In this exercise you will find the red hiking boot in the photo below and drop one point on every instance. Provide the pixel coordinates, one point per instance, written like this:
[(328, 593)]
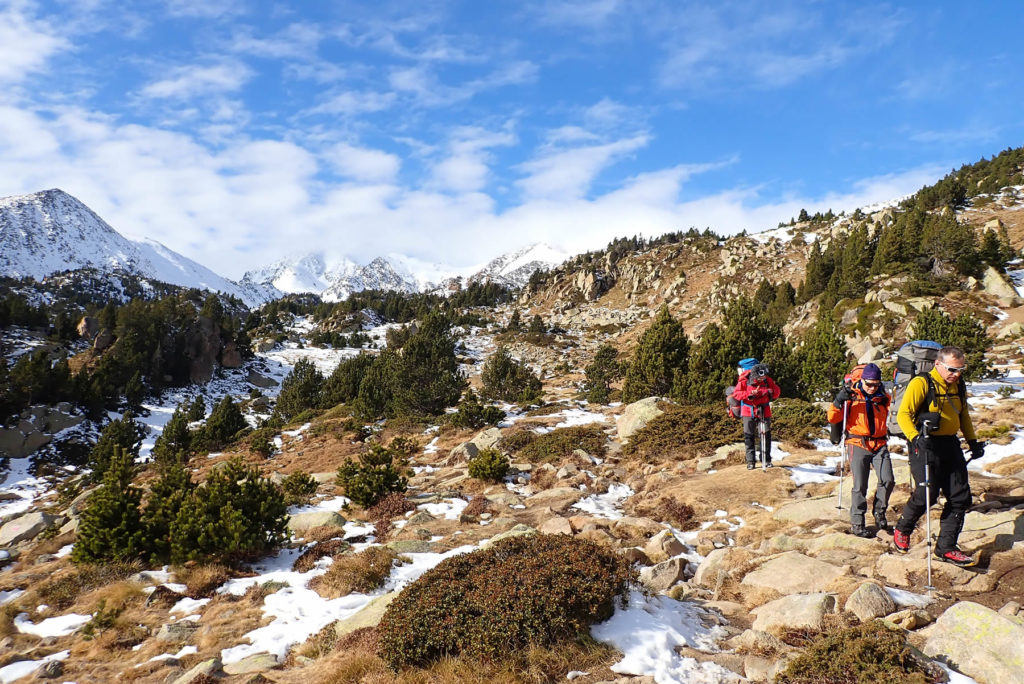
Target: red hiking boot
[(901, 541), (957, 557)]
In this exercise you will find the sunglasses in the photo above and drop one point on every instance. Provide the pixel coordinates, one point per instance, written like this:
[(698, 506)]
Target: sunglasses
[(953, 369)]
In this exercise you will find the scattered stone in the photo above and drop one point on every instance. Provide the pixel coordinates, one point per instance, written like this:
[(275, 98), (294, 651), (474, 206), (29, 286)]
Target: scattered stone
[(411, 546), (207, 668), (558, 498), (566, 471), (910, 619), (979, 642), (663, 546), (792, 572), (51, 669), (870, 601), (369, 616), (662, 576), (794, 612), (486, 439), (27, 527), (421, 518), (504, 499), (178, 632), (635, 555), (556, 526), (517, 531), (710, 565), (259, 662), (463, 453)]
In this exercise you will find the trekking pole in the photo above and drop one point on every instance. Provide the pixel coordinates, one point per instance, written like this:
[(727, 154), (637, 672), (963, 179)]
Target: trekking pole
[(842, 454), (925, 428), (762, 433)]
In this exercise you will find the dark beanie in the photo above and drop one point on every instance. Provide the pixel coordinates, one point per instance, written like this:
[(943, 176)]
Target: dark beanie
[(871, 372)]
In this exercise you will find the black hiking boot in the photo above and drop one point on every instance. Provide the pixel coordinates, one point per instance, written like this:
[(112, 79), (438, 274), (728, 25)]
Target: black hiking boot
[(881, 523), (860, 531), (751, 466)]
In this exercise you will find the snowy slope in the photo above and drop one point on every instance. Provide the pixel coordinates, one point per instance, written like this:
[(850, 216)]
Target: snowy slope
[(51, 231)]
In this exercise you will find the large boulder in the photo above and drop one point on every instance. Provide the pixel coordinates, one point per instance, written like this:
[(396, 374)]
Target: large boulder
[(301, 522), (710, 566), (979, 642), (636, 416), (486, 439), (556, 499), (258, 662), (663, 576), (663, 546), (203, 672), (998, 530), (792, 572), (798, 611), (517, 531), (27, 527), (995, 284)]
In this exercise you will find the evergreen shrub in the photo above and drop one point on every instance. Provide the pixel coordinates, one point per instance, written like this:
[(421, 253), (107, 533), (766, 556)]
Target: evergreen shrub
[(376, 474), (797, 421), (490, 465), (520, 592), (298, 487), (561, 443), (473, 414), (699, 428), (505, 378)]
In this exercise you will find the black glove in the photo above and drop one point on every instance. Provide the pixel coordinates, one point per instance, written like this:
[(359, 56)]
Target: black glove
[(977, 449), (842, 396)]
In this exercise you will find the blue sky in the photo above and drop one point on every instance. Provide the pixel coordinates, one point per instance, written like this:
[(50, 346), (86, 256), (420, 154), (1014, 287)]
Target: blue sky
[(236, 132)]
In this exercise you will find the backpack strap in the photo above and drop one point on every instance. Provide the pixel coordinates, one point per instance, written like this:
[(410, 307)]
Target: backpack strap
[(929, 398)]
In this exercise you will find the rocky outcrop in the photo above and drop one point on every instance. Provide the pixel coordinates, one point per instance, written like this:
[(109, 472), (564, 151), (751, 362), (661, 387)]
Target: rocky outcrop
[(35, 428), (27, 527), (979, 642), (797, 611), (637, 415)]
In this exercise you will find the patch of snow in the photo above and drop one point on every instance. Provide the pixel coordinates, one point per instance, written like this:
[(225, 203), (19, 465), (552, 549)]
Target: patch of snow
[(23, 668), (188, 605), (450, 509), (20, 482), (9, 596), (51, 627), (65, 551), (954, 676), (607, 505), (908, 599), (186, 650), (809, 473), (649, 630), (577, 416)]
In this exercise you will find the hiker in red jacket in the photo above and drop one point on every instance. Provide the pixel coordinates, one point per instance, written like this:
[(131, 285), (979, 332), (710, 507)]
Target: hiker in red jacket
[(755, 390)]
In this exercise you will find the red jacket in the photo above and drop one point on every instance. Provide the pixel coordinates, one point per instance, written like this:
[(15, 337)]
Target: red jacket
[(753, 393)]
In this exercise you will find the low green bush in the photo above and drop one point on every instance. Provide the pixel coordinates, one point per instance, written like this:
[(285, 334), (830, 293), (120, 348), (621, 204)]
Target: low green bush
[(864, 654), (798, 422), (520, 592), (561, 443), (490, 465), (298, 487), (472, 413), (696, 427), (376, 474)]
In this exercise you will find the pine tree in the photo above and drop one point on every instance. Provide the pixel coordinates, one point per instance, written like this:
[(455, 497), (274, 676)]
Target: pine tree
[(428, 378), (124, 434), (111, 527), (224, 423), (196, 409), (301, 389), (342, 385), (377, 473), (822, 359), (507, 379), (236, 515), (661, 355), (167, 496), (537, 325), (965, 332), (375, 389), (514, 322), (601, 372), (175, 442)]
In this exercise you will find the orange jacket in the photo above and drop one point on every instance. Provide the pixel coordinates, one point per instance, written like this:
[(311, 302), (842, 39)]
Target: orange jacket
[(865, 420)]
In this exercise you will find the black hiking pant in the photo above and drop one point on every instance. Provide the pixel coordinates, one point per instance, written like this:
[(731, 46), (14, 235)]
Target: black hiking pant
[(861, 463), (949, 476), (751, 438)]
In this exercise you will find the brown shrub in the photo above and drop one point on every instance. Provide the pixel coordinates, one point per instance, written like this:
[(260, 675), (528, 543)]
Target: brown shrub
[(678, 513), (477, 505), (202, 580), (63, 590), (362, 572), (391, 506)]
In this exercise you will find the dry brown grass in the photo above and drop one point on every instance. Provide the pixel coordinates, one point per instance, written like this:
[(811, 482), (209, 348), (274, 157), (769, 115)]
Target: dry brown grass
[(202, 580), (65, 588), (362, 572), (322, 533), (543, 479)]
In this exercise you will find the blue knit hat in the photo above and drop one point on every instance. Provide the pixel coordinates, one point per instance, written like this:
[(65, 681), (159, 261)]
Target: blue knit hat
[(871, 372)]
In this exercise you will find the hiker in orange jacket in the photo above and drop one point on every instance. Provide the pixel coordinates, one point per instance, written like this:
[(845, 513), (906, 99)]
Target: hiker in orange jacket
[(866, 407), (755, 390)]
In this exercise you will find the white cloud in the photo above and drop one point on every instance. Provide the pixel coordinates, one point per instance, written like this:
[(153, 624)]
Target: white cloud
[(363, 164), (352, 103), (26, 43), (568, 173), (466, 167), (423, 85), (586, 13), (188, 81), (297, 41), (204, 9)]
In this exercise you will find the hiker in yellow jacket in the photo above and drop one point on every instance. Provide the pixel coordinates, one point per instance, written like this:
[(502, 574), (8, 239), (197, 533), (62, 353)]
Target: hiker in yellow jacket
[(943, 393)]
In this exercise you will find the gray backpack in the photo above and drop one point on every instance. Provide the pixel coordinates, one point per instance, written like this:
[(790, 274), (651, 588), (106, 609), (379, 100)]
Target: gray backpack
[(913, 359)]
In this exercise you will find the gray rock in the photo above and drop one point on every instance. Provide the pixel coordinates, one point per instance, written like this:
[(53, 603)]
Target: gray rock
[(486, 439), (870, 601), (254, 378), (663, 576), (636, 416), (517, 531), (207, 668), (463, 453), (178, 632), (259, 662), (557, 498), (411, 546), (51, 669), (710, 565), (27, 527), (979, 642), (794, 612), (421, 518), (302, 522), (792, 572), (556, 526), (369, 616), (663, 546)]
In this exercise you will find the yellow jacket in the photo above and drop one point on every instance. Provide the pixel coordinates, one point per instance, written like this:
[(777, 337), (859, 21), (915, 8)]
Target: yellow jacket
[(954, 417)]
